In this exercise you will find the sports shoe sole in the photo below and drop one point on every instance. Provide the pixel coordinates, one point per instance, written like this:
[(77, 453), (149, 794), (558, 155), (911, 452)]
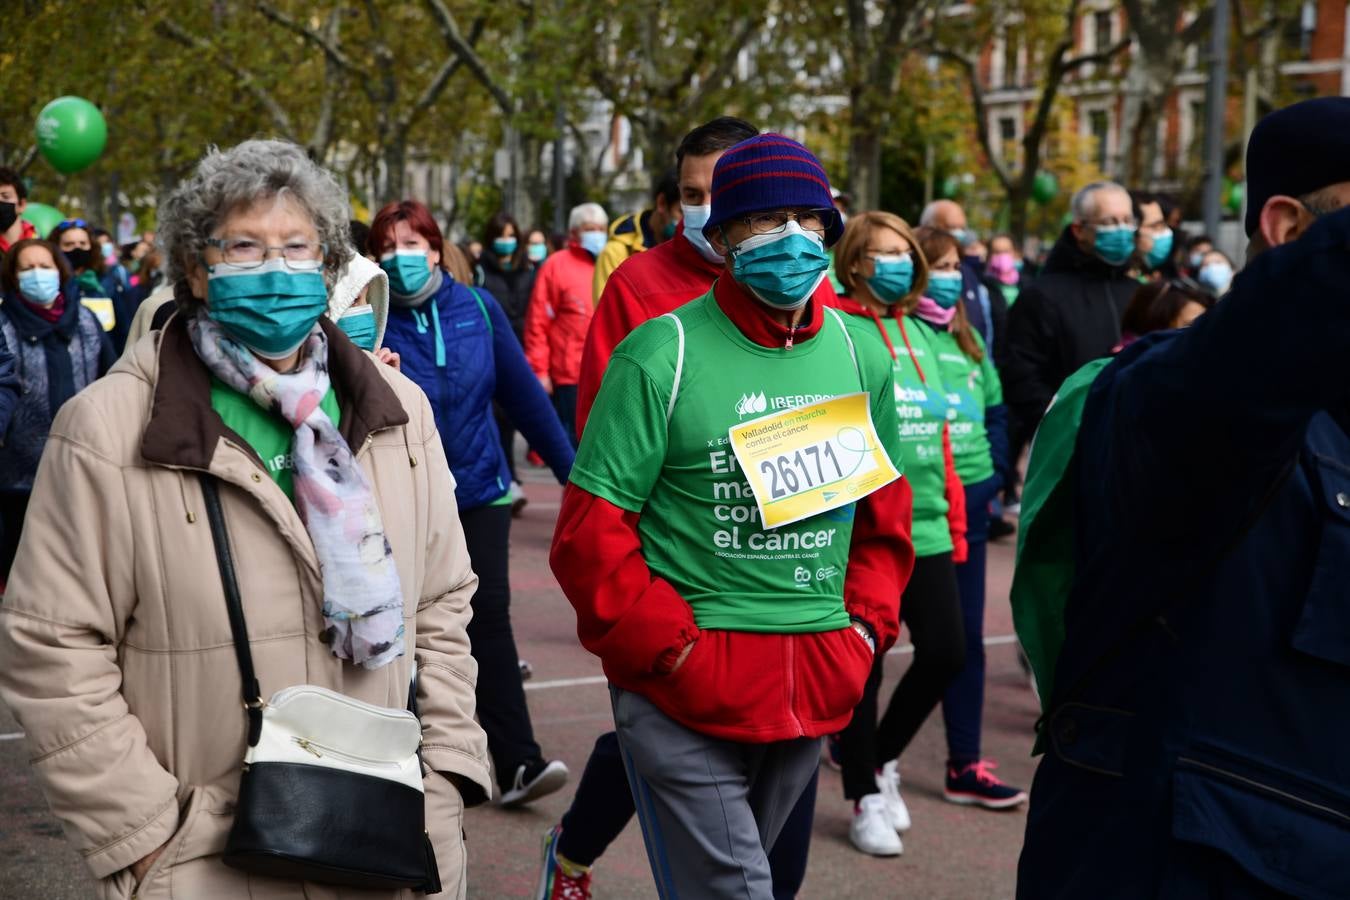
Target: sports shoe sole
[(883, 854), (962, 799), (551, 779)]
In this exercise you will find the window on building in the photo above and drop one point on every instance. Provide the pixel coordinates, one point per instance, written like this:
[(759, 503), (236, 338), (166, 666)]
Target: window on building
[(1099, 126), (1101, 27), (1010, 58), (1007, 137)]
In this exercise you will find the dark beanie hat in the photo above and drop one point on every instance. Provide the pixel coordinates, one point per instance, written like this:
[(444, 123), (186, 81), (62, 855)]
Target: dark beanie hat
[(1297, 150), (765, 172)]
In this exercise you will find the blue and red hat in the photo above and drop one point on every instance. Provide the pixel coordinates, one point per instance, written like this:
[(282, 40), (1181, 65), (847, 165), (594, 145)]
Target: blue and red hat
[(765, 172)]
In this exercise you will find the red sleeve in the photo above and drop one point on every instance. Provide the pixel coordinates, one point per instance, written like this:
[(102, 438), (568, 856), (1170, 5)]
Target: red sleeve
[(635, 622), (956, 501), (880, 559), (613, 321), (537, 318)]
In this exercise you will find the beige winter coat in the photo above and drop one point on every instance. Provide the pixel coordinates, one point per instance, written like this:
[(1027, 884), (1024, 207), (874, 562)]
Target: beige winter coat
[(115, 648)]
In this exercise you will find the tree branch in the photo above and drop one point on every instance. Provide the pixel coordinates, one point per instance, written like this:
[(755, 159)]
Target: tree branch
[(1088, 59), (322, 135), (722, 70), (970, 68), (281, 120), (454, 41), (323, 42)]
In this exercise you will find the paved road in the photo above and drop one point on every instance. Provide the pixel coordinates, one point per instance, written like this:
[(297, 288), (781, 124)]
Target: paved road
[(952, 852)]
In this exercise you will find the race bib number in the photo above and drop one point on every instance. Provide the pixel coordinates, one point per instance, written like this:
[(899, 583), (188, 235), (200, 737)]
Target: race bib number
[(805, 461), (102, 308)]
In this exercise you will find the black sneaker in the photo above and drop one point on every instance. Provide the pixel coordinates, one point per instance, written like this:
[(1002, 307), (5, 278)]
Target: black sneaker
[(535, 779), (1000, 528), (975, 784)]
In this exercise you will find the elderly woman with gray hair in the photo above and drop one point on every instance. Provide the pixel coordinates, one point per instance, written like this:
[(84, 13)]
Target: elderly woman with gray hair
[(247, 469)]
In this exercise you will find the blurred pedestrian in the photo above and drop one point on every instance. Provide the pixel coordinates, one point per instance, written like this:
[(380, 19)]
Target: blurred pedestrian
[(59, 348), (560, 311), (454, 341), (632, 233), (536, 246), (1154, 240), (13, 203), (1216, 272), (1003, 273), (100, 290), (987, 311), (1161, 305)]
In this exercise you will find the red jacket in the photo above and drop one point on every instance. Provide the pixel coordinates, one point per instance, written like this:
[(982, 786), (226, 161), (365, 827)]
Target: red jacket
[(26, 231), (733, 685), (559, 314), (650, 284)]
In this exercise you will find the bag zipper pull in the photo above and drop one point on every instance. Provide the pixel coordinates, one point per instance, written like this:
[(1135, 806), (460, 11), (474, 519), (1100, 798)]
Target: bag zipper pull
[(307, 746)]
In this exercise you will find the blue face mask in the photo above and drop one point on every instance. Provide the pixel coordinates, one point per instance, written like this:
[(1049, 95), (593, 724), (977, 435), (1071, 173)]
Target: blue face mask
[(1161, 251), (270, 309), (892, 277), (537, 252), (40, 286), (944, 288), (1114, 244), (1216, 276), (964, 236), (783, 270), (695, 217), (593, 241), (407, 269), (359, 325), (504, 246)]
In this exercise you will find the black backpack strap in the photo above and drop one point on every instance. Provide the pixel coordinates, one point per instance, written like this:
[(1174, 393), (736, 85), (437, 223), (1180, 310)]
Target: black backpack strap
[(162, 315), (252, 692)]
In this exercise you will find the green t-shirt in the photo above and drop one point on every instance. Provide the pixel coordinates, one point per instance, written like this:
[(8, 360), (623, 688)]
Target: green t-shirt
[(921, 408), (656, 444), (972, 388), (267, 433)]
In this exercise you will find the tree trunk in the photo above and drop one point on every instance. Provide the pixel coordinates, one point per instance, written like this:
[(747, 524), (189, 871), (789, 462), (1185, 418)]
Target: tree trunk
[(864, 152), (394, 154)]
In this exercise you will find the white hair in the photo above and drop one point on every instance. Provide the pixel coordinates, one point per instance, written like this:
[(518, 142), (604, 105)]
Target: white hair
[(929, 214), (1084, 206), (587, 214)]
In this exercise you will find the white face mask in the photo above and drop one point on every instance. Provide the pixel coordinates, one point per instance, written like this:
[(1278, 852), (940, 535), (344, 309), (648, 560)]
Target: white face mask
[(695, 217)]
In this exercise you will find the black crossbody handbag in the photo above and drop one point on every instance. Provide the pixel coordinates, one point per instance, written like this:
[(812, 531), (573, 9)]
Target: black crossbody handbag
[(331, 790)]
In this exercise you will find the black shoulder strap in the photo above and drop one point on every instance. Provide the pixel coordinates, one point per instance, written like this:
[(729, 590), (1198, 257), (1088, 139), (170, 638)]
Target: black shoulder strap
[(161, 316), (220, 537)]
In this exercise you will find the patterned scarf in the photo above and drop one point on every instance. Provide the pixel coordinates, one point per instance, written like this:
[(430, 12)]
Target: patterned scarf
[(362, 598)]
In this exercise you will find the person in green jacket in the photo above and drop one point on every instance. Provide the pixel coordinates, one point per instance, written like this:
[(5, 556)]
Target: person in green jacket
[(884, 276), (979, 434)]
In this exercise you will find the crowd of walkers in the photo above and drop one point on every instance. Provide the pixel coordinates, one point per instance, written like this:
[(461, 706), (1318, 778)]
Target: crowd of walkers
[(784, 433)]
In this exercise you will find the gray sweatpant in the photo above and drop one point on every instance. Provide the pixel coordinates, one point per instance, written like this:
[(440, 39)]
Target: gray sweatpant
[(710, 809)]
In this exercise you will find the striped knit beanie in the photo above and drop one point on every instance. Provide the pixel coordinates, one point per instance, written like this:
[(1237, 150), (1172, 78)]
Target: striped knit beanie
[(769, 172)]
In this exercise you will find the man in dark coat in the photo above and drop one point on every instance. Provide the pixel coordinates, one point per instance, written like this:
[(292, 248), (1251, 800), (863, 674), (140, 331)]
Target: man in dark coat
[(1071, 313), (1197, 742)]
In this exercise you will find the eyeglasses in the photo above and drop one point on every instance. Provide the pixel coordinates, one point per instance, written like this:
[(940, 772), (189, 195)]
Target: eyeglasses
[(819, 220), (245, 253)]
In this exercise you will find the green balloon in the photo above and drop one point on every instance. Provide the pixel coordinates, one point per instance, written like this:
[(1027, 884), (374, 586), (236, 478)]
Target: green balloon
[(1236, 193), (1044, 188), (950, 187), (71, 134), (43, 217)]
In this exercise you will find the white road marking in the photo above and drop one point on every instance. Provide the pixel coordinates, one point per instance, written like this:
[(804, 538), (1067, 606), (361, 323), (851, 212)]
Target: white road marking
[(996, 640)]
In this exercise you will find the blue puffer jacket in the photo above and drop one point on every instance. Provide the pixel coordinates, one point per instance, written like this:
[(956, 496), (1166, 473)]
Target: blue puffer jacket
[(459, 348), (1197, 743)]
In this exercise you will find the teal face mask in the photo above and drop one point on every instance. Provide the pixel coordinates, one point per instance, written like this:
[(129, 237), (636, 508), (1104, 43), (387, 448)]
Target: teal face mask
[(944, 288), (270, 309), (783, 270), (537, 252), (892, 277), (1162, 250), (407, 269), (669, 231), (359, 325), (504, 246), (1114, 244)]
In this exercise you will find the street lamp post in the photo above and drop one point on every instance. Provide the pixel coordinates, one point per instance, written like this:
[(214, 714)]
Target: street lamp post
[(1216, 97)]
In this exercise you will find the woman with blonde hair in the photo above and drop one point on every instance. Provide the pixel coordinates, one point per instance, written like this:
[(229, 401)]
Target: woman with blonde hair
[(884, 276)]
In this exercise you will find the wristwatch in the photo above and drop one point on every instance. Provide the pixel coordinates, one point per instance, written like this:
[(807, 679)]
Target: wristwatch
[(865, 635)]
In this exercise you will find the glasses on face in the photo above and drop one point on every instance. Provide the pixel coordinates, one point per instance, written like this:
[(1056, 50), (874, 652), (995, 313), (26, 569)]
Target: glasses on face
[(818, 220), (246, 253), (1114, 223), (73, 223)]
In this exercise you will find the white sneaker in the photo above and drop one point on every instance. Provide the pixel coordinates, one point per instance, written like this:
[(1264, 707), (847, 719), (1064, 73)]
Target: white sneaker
[(888, 782), (871, 831)]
